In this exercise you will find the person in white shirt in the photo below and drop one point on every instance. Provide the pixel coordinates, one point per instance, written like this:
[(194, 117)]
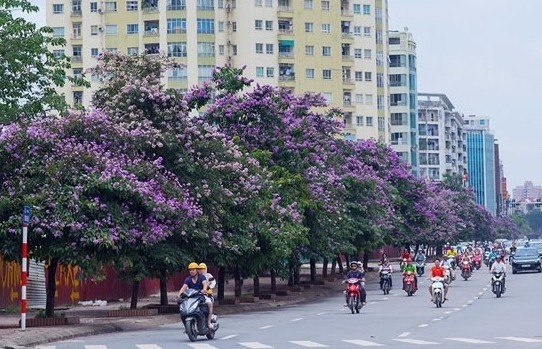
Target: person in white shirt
[(499, 267)]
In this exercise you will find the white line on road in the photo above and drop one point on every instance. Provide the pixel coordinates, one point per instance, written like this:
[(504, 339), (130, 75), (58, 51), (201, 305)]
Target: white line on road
[(521, 339), (471, 301), (480, 293), (372, 302), (447, 312), (148, 346), (324, 313), (309, 344), (363, 343), (264, 327), (470, 340), (95, 346), (437, 319), (299, 318), (465, 305), (456, 309), (45, 347), (255, 345), (423, 325), (229, 336), (414, 341), (201, 346), (404, 334)]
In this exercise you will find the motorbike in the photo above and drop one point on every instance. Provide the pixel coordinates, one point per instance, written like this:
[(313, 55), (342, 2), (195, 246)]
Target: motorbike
[(353, 294), (409, 283), (497, 284), (420, 268), (448, 275), (194, 311), (385, 277), (437, 290), (477, 261), (486, 258), (453, 263), (466, 272)]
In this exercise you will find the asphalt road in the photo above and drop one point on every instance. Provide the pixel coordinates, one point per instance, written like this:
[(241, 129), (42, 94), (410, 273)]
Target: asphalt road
[(473, 317)]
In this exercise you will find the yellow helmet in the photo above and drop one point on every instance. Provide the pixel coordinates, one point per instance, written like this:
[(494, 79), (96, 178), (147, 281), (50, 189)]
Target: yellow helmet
[(193, 265), (202, 266)]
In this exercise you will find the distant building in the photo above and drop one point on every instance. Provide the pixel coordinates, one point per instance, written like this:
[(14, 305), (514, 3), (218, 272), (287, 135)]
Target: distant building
[(527, 191), (403, 97), (441, 138)]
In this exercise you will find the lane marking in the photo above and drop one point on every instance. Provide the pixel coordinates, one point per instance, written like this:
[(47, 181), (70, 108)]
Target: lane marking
[(470, 340), (321, 313), (456, 309), (404, 334), (229, 337), (521, 339), (437, 319), (299, 318), (363, 343), (201, 346), (423, 325), (95, 346), (264, 327), (447, 312), (255, 345), (309, 344), (414, 341), (148, 346)]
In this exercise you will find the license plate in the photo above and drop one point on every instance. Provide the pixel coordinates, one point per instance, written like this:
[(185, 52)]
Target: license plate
[(525, 265)]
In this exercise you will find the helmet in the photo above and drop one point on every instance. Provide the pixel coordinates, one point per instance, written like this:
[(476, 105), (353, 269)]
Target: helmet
[(498, 257), (409, 260), (202, 266), (193, 265), (353, 263)]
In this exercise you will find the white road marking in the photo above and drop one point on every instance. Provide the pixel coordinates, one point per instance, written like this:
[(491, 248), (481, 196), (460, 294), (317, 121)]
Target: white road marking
[(255, 345), (201, 346), (363, 343), (470, 340), (456, 309), (264, 327), (148, 346), (481, 293), (414, 341), (229, 336), (95, 346), (471, 301), (299, 318), (404, 334), (521, 339), (447, 312), (437, 319), (321, 313), (309, 344), (423, 325), (45, 347), (465, 305)]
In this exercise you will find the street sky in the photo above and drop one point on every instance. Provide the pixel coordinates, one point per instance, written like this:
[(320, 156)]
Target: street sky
[(486, 56)]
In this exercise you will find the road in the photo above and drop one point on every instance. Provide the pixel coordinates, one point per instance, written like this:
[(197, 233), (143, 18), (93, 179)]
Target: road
[(472, 317)]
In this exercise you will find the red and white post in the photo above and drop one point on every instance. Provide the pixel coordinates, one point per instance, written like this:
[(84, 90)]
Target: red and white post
[(24, 265)]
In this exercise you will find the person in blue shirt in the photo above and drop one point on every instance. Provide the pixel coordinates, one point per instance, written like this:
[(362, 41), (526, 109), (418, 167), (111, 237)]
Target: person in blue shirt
[(198, 282), (357, 272)]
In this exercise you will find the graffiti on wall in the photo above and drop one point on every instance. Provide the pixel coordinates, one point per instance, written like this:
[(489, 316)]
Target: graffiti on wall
[(10, 282)]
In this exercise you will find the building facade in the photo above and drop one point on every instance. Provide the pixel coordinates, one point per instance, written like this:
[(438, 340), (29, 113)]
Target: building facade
[(481, 161), (441, 138), (336, 48), (403, 97), (527, 191)]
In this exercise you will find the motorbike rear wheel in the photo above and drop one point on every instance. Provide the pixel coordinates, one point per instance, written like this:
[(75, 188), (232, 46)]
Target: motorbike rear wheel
[(191, 331), (352, 303), (386, 287)]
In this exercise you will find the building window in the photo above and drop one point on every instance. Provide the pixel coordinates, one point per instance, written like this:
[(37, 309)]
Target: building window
[(132, 51), (309, 27), (326, 28), (270, 72), (131, 5), (366, 31), (206, 49), (78, 97), (234, 50), (269, 49), (94, 52), (308, 4), (58, 32), (259, 47), (93, 30), (76, 30), (58, 8), (110, 6), (233, 26), (309, 50), (358, 75), (268, 3), (369, 99), (359, 120), (76, 7), (132, 28), (78, 73), (205, 5), (205, 72), (309, 73), (381, 124), (367, 53), (176, 25), (366, 9), (357, 53), (357, 9), (268, 25), (369, 121), (328, 97), (176, 5), (258, 3), (111, 29), (379, 102), (220, 26), (176, 49), (178, 73), (259, 72), (206, 26), (325, 5), (368, 76), (326, 50), (258, 24), (221, 50), (357, 30), (359, 98), (93, 7), (58, 53), (326, 74)]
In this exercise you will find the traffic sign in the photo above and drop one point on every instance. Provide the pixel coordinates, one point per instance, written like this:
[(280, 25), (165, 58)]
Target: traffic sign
[(26, 215)]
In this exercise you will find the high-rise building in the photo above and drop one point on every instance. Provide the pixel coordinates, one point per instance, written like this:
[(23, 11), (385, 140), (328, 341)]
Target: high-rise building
[(403, 97), (481, 161), (527, 191), (336, 48), (441, 138)]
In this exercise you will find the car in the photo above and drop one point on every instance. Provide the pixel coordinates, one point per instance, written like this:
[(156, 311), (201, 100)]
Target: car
[(526, 258), (536, 245)]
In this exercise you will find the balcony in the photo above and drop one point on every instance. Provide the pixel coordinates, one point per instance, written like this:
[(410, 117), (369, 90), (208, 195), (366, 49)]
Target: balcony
[(348, 81), (347, 13), (176, 7), (77, 59), (151, 32), (150, 9), (77, 13), (348, 58), (286, 54), (347, 35), (286, 31)]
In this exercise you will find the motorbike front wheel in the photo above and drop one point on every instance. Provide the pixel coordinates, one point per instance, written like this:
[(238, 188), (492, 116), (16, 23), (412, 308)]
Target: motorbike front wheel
[(191, 331), (352, 303)]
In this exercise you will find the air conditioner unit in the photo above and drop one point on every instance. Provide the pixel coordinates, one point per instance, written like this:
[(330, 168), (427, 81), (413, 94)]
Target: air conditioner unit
[(100, 28), (100, 11)]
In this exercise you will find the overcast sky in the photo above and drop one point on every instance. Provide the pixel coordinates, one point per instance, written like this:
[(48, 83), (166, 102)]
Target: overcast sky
[(486, 56)]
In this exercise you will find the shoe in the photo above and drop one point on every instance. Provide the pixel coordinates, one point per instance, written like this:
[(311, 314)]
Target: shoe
[(364, 303), (345, 305)]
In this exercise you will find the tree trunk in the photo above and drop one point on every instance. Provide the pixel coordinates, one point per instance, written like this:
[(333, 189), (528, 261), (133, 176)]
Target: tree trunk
[(273, 281), (135, 294), (297, 274), (312, 262), (325, 262), (340, 264), (439, 250), (333, 266), (238, 287), (366, 260), (291, 272), (51, 288), (163, 291), (221, 283), (256, 285)]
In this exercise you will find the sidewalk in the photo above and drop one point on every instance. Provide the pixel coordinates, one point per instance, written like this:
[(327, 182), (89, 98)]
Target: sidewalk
[(93, 319)]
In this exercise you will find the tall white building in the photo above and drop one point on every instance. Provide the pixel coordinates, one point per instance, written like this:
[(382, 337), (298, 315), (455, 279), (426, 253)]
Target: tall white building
[(334, 47)]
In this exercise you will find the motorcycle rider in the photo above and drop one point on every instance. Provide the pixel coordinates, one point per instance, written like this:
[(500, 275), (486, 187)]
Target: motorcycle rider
[(499, 267), (438, 271), (446, 264), (386, 266), (198, 282), (466, 258), (420, 257), (202, 269), (409, 267), (356, 273)]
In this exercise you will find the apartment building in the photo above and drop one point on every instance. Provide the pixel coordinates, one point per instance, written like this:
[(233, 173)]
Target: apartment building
[(442, 140), (403, 97), (336, 48)]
